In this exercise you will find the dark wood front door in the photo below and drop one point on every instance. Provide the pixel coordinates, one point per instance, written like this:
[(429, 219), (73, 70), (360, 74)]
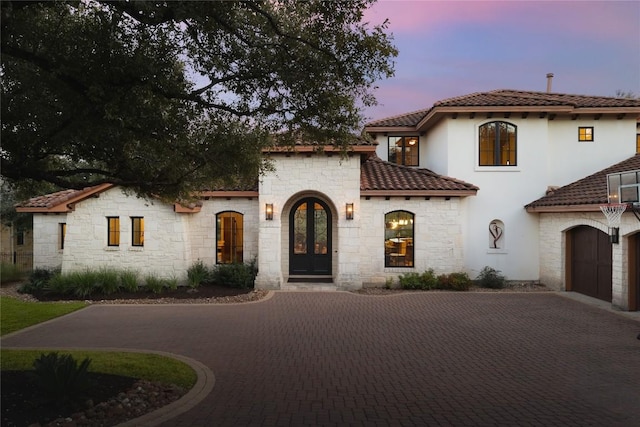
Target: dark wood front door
[(634, 272), (591, 262), (310, 238)]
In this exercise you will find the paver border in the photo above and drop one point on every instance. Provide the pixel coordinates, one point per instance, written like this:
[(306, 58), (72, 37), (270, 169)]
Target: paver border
[(205, 383)]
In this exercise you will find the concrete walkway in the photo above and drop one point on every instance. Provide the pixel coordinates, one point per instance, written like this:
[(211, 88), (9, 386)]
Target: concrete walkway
[(450, 359)]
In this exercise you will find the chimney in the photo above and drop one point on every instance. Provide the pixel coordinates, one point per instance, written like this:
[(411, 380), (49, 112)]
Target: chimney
[(549, 80)]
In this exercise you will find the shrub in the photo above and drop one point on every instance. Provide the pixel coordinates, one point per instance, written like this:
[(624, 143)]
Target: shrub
[(454, 281), (59, 285), (129, 280), (38, 280), (61, 377), (491, 278), (171, 283), (236, 275), (424, 281), (196, 274), (107, 281), (154, 284), (10, 273), (83, 283)]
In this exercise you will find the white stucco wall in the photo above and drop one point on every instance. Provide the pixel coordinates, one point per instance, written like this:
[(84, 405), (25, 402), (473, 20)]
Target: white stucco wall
[(438, 236), (46, 240), (165, 251)]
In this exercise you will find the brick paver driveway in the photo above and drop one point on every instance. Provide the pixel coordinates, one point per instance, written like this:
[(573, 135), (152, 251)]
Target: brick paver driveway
[(412, 359)]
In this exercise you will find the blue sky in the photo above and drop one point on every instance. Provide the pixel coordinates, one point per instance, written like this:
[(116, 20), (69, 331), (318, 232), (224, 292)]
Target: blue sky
[(452, 48)]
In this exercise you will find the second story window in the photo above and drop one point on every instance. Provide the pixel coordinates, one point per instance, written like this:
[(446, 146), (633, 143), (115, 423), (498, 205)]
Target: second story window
[(585, 134), (403, 150), (497, 145)]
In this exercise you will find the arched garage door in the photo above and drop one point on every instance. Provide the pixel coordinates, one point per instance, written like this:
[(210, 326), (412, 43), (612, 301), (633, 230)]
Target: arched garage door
[(590, 262)]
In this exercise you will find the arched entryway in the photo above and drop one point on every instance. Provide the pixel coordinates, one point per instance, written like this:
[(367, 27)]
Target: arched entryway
[(310, 238), (590, 262)]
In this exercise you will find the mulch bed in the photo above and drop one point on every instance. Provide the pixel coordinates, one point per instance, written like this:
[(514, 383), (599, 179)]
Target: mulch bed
[(24, 404)]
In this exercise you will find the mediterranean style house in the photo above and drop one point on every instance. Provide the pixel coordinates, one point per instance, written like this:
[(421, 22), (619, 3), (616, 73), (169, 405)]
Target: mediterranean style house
[(444, 188)]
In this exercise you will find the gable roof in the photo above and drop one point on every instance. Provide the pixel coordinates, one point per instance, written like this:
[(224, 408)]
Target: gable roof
[(584, 195), (380, 178), (509, 101), (377, 178)]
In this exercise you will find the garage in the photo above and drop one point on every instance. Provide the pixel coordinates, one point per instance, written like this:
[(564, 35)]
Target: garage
[(590, 255)]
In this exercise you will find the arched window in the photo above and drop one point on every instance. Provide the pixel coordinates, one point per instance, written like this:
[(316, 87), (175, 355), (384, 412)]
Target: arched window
[(398, 239), (497, 145), (229, 237)]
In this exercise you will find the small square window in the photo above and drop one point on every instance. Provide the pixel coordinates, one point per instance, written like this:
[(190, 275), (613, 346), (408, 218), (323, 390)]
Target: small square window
[(585, 134)]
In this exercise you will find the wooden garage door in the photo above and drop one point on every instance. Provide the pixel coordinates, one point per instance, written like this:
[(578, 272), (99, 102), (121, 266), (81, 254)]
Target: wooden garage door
[(591, 262)]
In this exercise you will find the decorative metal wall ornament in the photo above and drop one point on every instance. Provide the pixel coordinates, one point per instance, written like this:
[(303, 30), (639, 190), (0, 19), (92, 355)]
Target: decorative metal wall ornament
[(496, 233)]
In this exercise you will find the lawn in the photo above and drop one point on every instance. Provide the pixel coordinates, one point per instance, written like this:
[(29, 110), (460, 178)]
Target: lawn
[(16, 314)]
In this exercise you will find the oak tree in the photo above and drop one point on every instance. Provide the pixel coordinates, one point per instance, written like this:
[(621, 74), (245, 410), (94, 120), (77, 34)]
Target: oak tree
[(170, 97)]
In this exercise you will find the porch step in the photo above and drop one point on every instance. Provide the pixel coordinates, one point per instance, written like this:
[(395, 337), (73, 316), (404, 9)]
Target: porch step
[(308, 287)]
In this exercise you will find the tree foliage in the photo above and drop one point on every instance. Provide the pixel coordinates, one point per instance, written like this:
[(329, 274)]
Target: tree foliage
[(171, 97)]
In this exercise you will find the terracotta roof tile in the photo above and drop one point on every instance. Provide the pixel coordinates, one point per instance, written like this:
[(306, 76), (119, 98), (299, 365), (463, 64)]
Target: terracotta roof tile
[(510, 98), (58, 198), (377, 174), (591, 190)]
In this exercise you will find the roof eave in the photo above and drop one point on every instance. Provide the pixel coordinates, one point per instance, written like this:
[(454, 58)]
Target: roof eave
[(564, 208), (326, 149), (69, 204), (417, 193)]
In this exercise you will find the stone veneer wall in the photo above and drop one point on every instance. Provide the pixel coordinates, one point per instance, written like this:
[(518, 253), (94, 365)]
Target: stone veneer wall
[(332, 178), (553, 228), (438, 236), (46, 240), (202, 228), (166, 241)]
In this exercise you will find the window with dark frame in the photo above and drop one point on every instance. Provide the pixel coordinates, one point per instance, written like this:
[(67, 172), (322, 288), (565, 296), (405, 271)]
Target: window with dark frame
[(113, 231), (497, 144), (398, 239), (403, 150), (20, 237), (638, 143), (229, 237), (585, 133), (63, 233), (137, 231)]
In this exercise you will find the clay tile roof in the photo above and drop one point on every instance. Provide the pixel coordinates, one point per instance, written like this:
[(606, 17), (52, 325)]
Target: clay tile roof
[(510, 98), (378, 175), (58, 201), (591, 190)]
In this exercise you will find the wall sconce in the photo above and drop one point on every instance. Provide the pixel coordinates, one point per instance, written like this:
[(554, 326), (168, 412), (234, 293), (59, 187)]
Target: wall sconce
[(349, 210), (269, 211)]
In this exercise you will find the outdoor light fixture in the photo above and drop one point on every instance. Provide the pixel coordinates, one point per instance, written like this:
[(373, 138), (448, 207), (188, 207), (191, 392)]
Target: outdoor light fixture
[(349, 210), (269, 211)]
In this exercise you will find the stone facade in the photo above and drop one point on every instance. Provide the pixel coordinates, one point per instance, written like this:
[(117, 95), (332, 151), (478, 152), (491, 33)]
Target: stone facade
[(553, 250)]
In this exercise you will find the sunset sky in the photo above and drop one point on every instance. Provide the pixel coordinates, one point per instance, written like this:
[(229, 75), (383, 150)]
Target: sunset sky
[(452, 48)]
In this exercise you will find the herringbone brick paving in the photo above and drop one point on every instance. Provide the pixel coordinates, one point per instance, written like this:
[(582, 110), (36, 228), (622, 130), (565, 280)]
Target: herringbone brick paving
[(436, 359)]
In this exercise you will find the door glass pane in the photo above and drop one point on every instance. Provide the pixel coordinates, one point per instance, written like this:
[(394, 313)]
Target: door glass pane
[(300, 230), (320, 229)]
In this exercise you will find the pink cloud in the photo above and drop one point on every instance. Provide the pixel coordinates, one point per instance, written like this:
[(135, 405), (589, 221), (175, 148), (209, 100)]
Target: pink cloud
[(599, 19)]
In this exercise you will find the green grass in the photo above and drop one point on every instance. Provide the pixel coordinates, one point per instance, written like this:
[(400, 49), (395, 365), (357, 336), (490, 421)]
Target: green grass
[(16, 314), (146, 366)]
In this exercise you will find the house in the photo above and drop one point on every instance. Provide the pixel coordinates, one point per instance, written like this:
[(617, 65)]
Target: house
[(443, 188), (577, 252)]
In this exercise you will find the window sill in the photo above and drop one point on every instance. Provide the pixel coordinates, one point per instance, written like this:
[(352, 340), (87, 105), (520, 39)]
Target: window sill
[(112, 248), (497, 169), (136, 249), (497, 251)]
